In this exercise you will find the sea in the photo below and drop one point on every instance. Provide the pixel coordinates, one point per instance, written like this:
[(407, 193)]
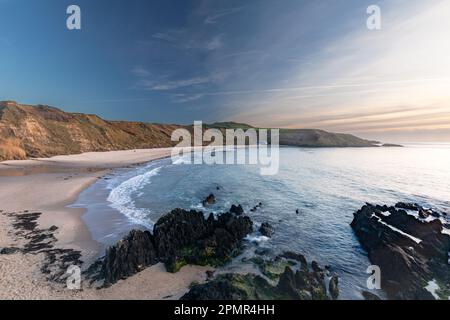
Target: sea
[(310, 201)]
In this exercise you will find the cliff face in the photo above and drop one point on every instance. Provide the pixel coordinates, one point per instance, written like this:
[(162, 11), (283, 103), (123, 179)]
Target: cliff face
[(43, 131)]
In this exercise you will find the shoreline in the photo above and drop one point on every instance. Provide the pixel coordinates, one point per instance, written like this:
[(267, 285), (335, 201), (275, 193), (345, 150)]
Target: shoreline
[(50, 186)]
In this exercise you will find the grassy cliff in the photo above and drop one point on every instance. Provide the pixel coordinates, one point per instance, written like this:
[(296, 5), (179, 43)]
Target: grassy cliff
[(41, 131)]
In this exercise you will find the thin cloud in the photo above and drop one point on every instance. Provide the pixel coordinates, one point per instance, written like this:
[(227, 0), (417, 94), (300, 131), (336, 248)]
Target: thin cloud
[(166, 36), (140, 71), (327, 86), (183, 98), (214, 43), (216, 16), (171, 85)]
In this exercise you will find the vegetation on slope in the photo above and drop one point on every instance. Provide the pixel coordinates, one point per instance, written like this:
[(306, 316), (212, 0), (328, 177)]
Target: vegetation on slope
[(41, 131)]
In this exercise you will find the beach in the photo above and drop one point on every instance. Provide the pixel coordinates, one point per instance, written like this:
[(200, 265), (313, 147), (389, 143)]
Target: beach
[(48, 186)]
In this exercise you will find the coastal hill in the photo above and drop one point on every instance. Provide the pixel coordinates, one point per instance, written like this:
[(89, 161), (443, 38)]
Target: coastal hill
[(307, 137), (28, 131), (42, 131)]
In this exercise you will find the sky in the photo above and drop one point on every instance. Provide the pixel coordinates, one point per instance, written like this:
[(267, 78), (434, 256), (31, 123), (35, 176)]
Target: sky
[(270, 63)]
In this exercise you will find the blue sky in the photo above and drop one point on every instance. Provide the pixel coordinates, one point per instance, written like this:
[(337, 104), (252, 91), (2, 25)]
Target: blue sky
[(289, 63)]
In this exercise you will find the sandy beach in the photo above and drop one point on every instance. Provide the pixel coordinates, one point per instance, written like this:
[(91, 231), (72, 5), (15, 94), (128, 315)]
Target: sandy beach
[(48, 186)]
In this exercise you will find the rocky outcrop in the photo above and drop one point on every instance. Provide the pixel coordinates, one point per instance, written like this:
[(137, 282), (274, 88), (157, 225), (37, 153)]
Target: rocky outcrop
[(266, 229), (130, 255), (184, 237), (333, 287), (295, 256), (370, 296), (210, 199), (255, 208), (409, 251), (391, 145), (237, 209), (180, 237), (293, 282)]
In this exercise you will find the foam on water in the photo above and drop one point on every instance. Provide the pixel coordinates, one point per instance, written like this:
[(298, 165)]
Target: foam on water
[(121, 198)]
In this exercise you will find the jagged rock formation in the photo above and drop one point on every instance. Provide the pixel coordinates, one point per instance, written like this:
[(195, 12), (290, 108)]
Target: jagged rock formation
[(210, 199), (186, 237), (370, 296), (237, 209), (180, 237), (266, 229), (410, 251), (294, 281), (130, 255)]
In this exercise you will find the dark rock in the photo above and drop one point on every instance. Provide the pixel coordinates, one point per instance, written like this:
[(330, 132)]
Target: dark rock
[(209, 274), (408, 206), (435, 214), (266, 229), (333, 287), (300, 285), (7, 251), (407, 263), (186, 237), (211, 199), (424, 213), (221, 288), (129, 256), (262, 251), (315, 267), (255, 208), (288, 284), (392, 145), (237, 209), (370, 296), (295, 256)]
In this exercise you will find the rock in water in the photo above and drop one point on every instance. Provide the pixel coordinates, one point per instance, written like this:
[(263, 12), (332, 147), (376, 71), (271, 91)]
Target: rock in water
[(266, 229), (409, 252), (333, 287), (129, 256), (237, 209), (423, 214), (211, 199), (295, 256), (370, 296)]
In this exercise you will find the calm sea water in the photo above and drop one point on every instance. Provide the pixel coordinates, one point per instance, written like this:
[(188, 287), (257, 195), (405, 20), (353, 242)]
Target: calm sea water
[(325, 185)]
